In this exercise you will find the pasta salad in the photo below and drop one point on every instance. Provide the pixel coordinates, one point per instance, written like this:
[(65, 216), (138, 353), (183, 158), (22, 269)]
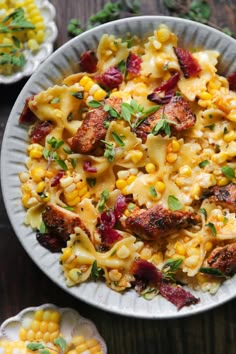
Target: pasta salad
[(131, 168)]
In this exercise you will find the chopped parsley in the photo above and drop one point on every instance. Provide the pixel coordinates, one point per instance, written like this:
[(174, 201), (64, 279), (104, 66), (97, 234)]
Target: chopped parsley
[(174, 203)]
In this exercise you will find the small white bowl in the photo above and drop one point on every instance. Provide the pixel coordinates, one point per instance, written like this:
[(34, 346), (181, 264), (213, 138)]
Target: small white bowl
[(48, 12), (71, 324)]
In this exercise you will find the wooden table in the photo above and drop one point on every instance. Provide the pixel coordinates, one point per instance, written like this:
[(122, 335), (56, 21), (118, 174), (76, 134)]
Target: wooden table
[(22, 284)]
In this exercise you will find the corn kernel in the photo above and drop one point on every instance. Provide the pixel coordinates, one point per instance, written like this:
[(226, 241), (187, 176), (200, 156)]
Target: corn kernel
[(65, 182), (22, 334), (74, 202), (205, 95), (32, 45), (35, 325), (121, 183), (232, 116), (55, 316), (123, 252), (46, 316), (180, 249), (88, 85), (195, 192), (131, 179), (40, 26), (38, 335), (67, 252), (115, 275), (220, 157), (160, 186), (81, 348), (163, 34), (43, 326), (35, 154), (71, 188), (38, 315), (25, 199), (231, 136), (222, 181), (54, 335), (30, 335), (208, 246), (40, 36), (85, 79), (99, 94), (185, 171), (77, 340), (192, 261), (150, 167), (46, 198), (204, 103), (83, 191), (95, 350), (171, 157), (46, 337), (49, 174), (40, 187), (146, 253), (175, 146), (136, 156)]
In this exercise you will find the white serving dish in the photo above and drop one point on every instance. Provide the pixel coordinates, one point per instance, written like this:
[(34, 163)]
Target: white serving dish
[(58, 65)]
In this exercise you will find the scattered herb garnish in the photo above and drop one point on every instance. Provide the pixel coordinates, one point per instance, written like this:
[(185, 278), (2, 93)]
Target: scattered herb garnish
[(203, 212), (210, 126), (96, 271), (69, 208), (94, 104), (211, 271), (170, 268), (203, 163), (212, 228), (117, 139), (91, 182), (43, 349), (43, 228), (228, 171), (197, 10), (109, 152), (55, 100), (149, 293), (78, 94), (112, 111), (153, 191), (51, 155), (14, 22), (162, 126), (174, 203), (104, 197)]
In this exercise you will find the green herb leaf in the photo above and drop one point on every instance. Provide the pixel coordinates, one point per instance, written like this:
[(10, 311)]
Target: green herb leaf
[(112, 111), (91, 182), (61, 343), (74, 27), (203, 163), (153, 191), (174, 203), (69, 208), (68, 150), (117, 139), (162, 125), (35, 346), (203, 212), (95, 271), (228, 171), (126, 112), (104, 198), (94, 104), (55, 144), (43, 228), (109, 152), (44, 351), (122, 67), (211, 271), (55, 100), (170, 268), (62, 164), (210, 126), (79, 94), (73, 163), (69, 117), (212, 228), (149, 293)]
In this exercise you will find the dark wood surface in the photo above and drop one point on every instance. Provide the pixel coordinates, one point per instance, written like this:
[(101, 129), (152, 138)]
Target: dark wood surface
[(22, 284)]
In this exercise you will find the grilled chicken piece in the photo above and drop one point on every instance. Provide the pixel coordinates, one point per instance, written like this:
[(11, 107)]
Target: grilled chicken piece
[(224, 259), (88, 137), (177, 111), (157, 221), (61, 222), (224, 196)]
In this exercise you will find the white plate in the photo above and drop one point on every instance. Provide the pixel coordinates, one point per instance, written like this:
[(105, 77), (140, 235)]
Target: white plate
[(71, 324), (61, 63), (48, 13)]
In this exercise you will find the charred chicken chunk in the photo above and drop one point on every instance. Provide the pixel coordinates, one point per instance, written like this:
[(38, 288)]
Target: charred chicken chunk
[(177, 111), (157, 222), (88, 137), (224, 196), (224, 259)]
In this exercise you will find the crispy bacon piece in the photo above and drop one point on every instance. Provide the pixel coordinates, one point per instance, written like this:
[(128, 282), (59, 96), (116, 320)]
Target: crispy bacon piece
[(88, 62), (55, 181), (92, 130), (157, 222), (147, 275), (177, 295), (111, 78), (224, 259), (133, 64), (232, 81), (163, 93), (177, 111), (188, 64), (60, 224), (27, 116), (40, 130), (224, 196)]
